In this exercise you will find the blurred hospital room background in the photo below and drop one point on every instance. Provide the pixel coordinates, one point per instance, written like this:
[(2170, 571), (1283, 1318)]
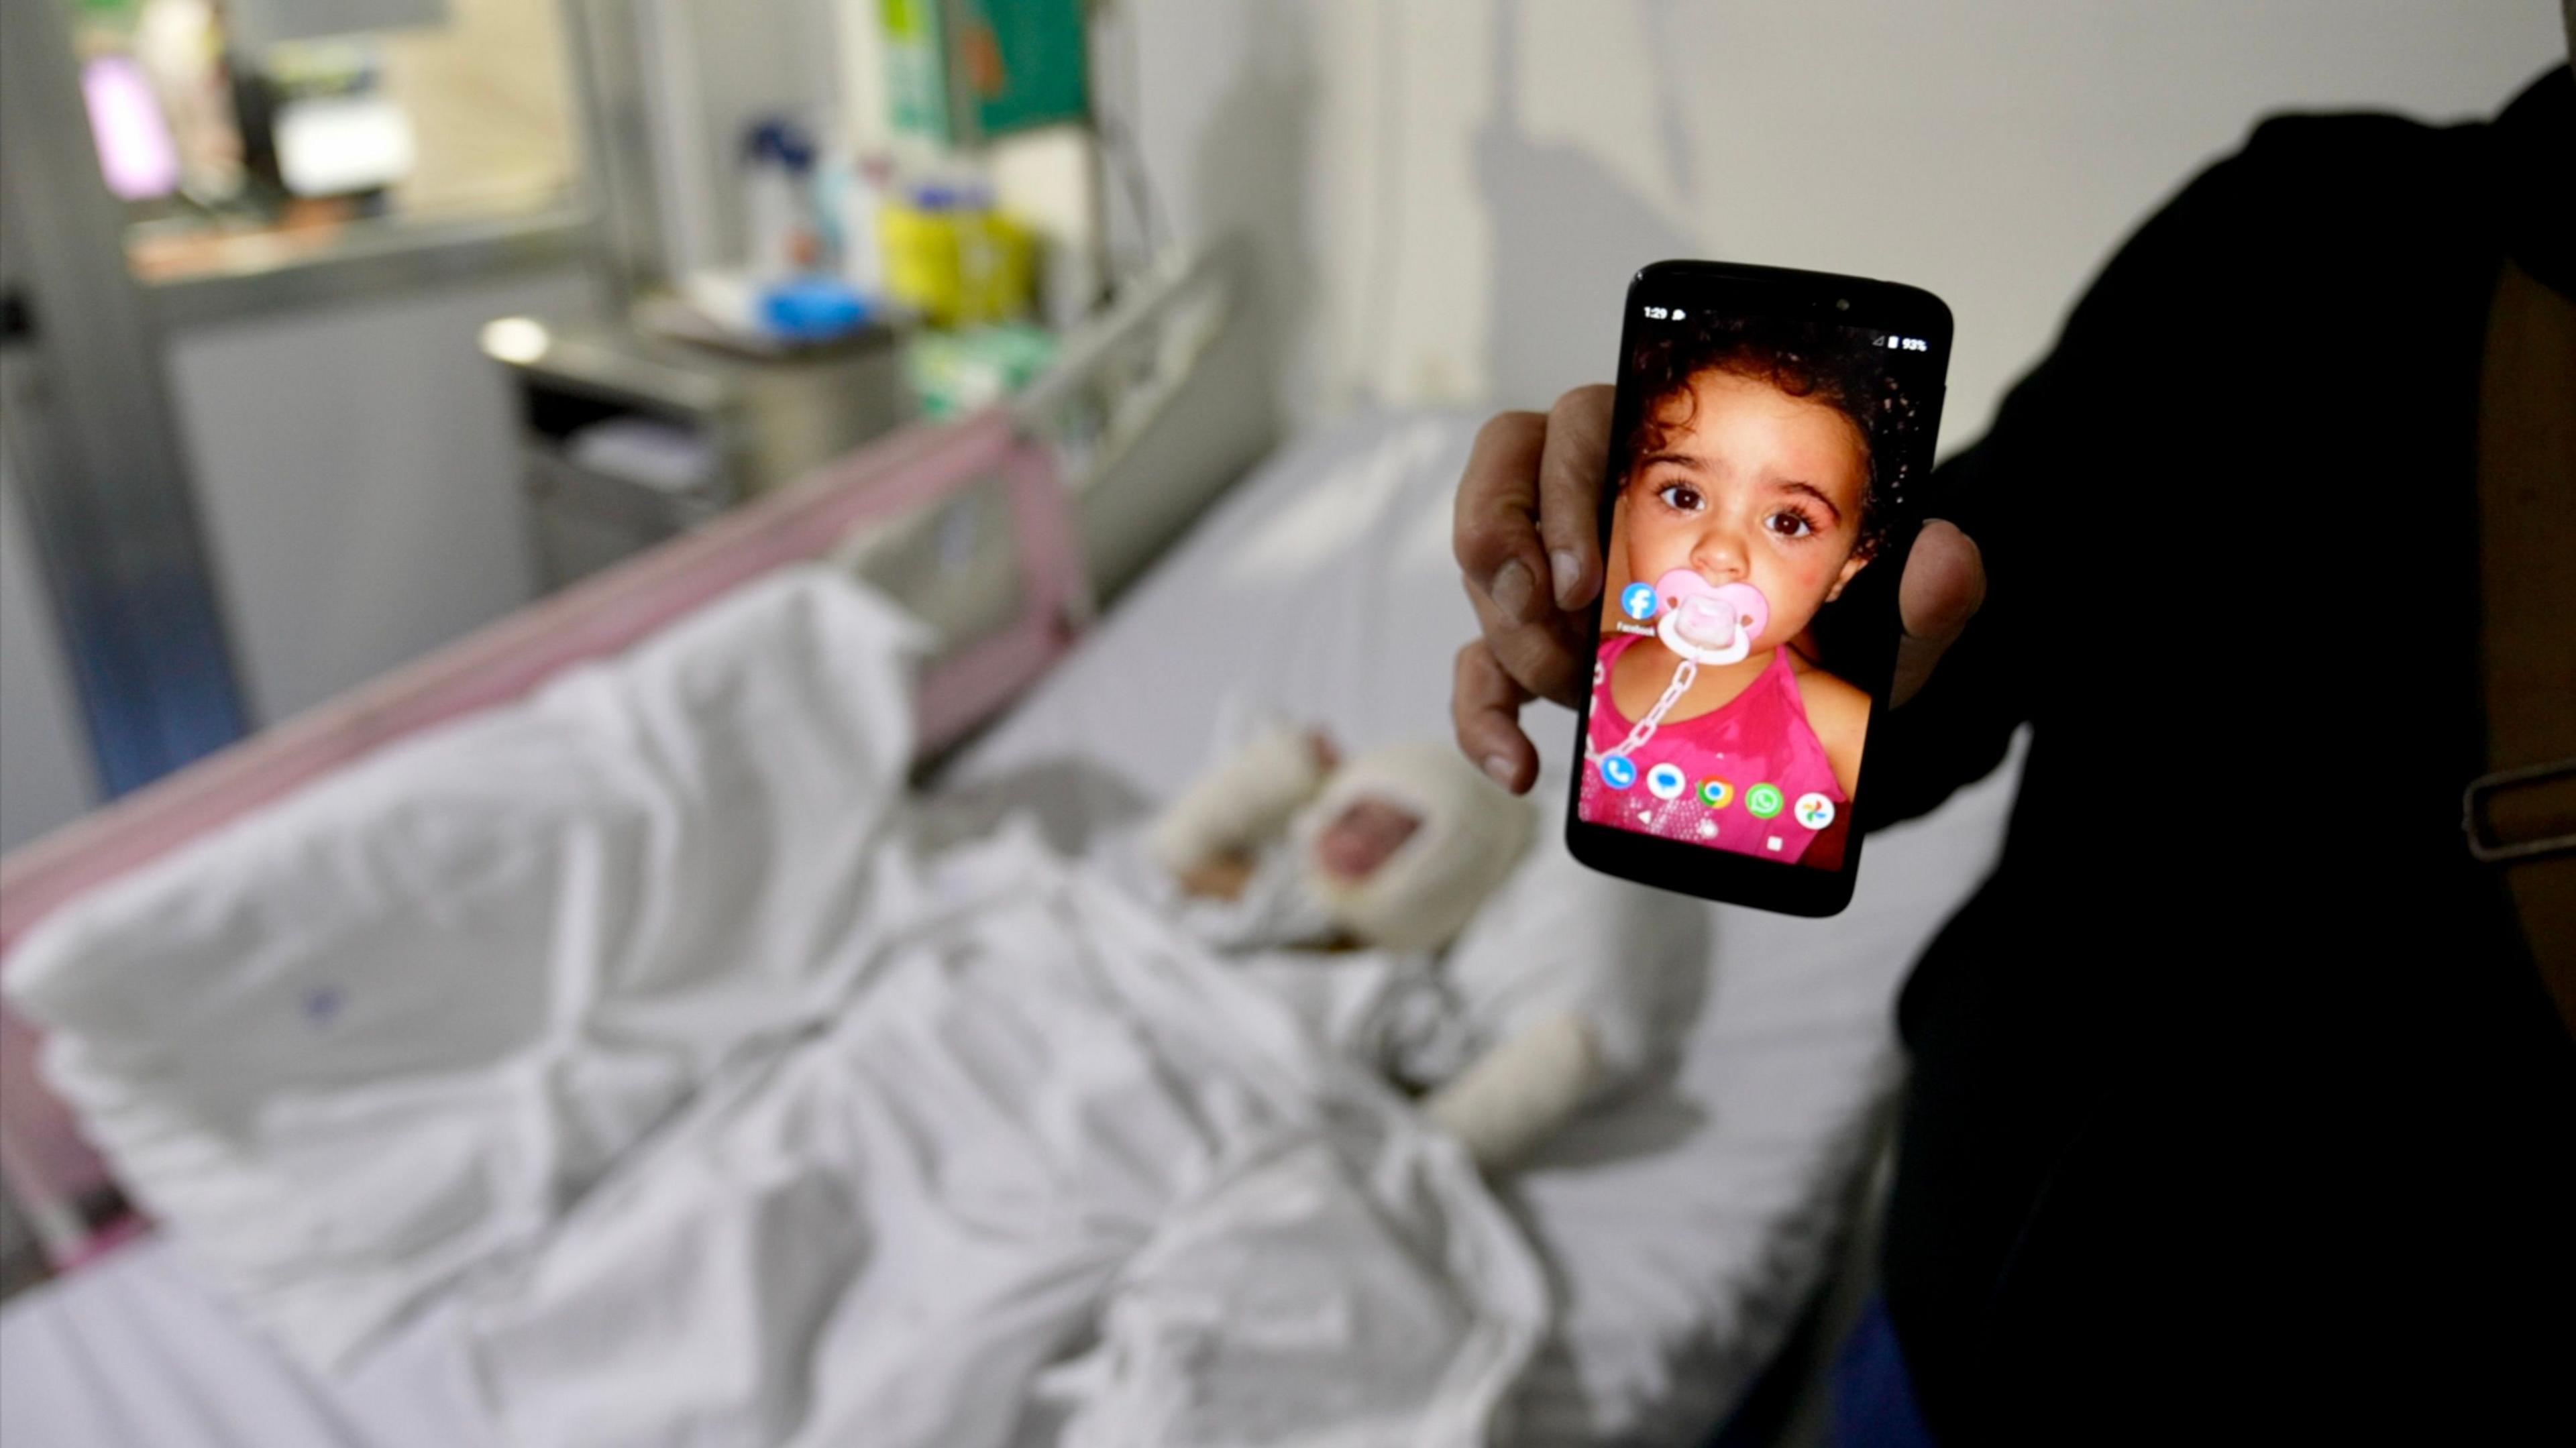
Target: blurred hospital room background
[(337, 330), (1445, 201)]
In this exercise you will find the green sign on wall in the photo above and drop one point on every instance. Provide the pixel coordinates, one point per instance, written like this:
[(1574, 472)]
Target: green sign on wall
[(1022, 63)]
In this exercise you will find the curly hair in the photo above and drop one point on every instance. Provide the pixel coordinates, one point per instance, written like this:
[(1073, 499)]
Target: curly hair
[(1833, 365)]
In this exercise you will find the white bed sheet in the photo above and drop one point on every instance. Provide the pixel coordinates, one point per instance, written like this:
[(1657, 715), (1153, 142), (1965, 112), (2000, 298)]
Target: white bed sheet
[(137, 1350), (1685, 1226)]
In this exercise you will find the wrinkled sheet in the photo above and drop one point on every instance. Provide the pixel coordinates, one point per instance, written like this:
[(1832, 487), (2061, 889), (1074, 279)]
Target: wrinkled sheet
[(1054, 1175), (375, 1038), (636, 1035)]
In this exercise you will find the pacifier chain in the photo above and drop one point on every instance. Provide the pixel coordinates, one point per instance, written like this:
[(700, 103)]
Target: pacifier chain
[(1683, 678)]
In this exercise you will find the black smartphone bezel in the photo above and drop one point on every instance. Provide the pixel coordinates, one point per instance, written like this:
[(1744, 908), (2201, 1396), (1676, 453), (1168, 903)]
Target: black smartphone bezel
[(1863, 302)]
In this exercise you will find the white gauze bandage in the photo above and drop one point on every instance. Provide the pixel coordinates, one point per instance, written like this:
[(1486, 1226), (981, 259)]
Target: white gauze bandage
[(1521, 1092), (1241, 802), (1471, 834)]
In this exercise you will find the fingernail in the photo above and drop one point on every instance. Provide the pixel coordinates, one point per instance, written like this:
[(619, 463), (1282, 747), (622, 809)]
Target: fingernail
[(1562, 563), (1500, 768), (1511, 590)]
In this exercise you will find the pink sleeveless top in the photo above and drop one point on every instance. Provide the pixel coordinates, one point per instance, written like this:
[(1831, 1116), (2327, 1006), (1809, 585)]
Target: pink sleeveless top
[(1748, 776)]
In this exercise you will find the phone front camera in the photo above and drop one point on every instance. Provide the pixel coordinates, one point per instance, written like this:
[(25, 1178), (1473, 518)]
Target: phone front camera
[(1842, 304)]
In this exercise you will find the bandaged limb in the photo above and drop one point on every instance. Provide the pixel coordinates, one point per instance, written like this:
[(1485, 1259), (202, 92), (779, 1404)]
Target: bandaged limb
[(1521, 1092), (1241, 802)]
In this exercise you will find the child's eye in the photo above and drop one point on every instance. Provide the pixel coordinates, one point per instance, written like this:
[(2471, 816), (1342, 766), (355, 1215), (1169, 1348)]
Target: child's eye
[(1681, 497), (1789, 524)]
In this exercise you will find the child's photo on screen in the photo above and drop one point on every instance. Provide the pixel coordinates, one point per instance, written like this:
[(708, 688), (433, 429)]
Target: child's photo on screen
[(1756, 482)]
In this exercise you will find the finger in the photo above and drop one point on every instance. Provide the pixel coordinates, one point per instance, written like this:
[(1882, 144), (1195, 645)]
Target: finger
[(1569, 492), (1485, 709), (1944, 586), (1493, 528), (1545, 658)]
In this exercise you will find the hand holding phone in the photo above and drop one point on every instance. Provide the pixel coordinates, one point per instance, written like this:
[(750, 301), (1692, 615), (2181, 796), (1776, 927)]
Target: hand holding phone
[(1758, 450)]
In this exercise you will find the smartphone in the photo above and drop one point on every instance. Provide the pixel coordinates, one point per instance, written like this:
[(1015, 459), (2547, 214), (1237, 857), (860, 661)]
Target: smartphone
[(1770, 429)]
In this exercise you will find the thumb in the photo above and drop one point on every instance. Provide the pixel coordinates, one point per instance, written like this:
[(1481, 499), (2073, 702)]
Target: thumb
[(1944, 586)]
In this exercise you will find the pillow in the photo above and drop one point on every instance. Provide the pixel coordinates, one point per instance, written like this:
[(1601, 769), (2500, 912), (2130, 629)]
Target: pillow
[(362, 1040)]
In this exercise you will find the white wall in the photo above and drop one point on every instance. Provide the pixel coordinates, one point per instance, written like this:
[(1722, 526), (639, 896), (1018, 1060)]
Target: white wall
[(357, 473), (1457, 190), (717, 67)]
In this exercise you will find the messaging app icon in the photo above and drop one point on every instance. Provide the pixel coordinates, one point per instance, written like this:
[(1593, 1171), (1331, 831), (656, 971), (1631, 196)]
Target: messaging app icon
[(1716, 793), (1815, 811), (1637, 600), (1763, 801), (1666, 781), (1618, 771)]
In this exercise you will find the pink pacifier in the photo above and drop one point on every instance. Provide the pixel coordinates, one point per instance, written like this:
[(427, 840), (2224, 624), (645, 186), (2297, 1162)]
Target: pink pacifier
[(1709, 623)]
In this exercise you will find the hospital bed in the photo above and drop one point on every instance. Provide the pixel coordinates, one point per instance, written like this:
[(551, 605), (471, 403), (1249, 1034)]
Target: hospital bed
[(1086, 600)]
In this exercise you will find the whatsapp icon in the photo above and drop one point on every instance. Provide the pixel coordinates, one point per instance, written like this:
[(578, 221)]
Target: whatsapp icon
[(1763, 801)]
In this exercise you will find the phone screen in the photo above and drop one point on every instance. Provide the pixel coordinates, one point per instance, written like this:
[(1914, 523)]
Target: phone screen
[(1768, 429)]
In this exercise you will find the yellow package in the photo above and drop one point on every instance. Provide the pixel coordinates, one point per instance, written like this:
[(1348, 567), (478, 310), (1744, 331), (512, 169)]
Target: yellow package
[(957, 265)]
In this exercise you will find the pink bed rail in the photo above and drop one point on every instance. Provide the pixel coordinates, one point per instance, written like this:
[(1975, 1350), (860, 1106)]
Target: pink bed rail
[(44, 1161)]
